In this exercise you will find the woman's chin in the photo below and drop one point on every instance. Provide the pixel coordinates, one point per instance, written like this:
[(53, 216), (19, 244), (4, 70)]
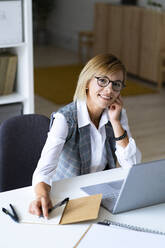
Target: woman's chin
[(105, 103)]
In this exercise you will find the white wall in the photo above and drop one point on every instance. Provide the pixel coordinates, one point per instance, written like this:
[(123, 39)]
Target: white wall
[(71, 16)]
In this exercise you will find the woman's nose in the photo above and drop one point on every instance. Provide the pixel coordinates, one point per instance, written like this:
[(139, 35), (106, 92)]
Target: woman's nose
[(109, 87)]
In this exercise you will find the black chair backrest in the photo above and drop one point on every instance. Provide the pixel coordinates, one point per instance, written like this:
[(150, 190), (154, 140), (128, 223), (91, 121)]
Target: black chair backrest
[(21, 141)]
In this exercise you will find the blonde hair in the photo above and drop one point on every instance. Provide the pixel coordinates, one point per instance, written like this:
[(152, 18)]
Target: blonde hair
[(102, 64)]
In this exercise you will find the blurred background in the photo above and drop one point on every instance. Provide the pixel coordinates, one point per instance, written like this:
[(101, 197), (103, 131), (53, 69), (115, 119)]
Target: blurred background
[(68, 33)]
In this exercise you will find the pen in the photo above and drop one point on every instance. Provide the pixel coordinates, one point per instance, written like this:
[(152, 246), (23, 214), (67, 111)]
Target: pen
[(59, 204), (103, 223), (13, 216)]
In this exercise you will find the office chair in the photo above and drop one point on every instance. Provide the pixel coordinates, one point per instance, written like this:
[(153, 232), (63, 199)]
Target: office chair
[(21, 141)]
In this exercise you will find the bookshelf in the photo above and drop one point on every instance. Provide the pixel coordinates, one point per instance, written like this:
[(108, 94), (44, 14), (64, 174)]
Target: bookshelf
[(23, 93)]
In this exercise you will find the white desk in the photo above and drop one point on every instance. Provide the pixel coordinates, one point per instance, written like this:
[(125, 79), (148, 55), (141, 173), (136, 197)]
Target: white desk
[(60, 236)]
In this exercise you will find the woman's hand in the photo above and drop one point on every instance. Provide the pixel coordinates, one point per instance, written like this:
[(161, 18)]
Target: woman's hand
[(42, 203), (114, 116), (115, 109), (40, 206)]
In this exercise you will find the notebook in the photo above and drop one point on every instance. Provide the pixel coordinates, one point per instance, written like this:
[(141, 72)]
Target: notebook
[(130, 227), (148, 218), (76, 210), (110, 236)]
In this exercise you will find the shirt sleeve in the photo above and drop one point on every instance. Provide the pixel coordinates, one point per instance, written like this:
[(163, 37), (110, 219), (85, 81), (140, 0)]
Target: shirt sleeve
[(129, 155), (50, 154)]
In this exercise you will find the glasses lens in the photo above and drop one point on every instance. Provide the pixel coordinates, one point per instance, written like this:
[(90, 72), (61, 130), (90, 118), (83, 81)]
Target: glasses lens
[(117, 85), (102, 81)]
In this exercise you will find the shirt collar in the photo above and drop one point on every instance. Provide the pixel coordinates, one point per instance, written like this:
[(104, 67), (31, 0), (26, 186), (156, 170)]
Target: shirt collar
[(84, 118)]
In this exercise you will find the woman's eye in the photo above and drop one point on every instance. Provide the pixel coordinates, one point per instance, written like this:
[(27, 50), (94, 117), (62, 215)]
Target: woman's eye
[(103, 80), (117, 83)]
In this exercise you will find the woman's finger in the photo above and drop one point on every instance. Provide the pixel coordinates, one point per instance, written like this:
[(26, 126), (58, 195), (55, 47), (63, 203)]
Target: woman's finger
[(120, 99), (44, 204), (35, 208)]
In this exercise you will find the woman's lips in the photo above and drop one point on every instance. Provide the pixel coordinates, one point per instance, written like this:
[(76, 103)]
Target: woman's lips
[(106, 97)]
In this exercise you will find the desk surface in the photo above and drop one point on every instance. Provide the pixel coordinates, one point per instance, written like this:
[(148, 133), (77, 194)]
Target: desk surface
[(35, 235)]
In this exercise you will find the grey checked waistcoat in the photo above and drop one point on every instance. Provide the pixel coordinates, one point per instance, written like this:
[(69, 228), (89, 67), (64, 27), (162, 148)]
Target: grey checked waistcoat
[(75, 157)]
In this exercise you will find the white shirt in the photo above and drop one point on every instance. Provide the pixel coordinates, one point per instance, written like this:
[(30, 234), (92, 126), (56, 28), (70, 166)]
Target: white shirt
[(57, 135)]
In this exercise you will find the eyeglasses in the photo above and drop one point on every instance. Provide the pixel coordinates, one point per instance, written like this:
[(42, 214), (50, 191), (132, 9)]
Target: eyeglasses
[(117, 85)]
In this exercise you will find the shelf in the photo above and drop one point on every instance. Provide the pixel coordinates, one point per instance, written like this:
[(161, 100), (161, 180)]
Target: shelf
[(23, 48), (13, 45), (12, 98)]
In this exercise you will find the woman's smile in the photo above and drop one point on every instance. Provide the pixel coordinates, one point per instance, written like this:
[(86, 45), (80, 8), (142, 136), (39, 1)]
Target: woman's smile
[(105, 97)]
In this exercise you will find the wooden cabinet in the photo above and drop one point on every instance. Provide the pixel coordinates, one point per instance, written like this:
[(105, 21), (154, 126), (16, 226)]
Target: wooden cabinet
[(136, 35), (100, 28), (130, 45), (151, 44), (115, 19)]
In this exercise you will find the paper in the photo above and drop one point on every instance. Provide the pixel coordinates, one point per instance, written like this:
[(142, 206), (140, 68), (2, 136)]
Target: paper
[(108, 236), (82, 209), (147, 218), (54, 216)]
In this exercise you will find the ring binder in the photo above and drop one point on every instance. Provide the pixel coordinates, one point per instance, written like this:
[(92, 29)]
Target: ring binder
[(131, 227)]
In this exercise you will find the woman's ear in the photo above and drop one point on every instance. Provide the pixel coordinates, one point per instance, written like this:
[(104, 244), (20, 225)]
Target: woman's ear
[(87, 85)]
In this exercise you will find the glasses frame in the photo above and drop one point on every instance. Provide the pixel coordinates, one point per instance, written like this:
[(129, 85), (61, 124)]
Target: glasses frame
[(110, 81)]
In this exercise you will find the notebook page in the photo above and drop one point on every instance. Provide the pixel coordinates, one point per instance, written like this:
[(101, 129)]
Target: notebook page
[(26, 217), (148, 217), (109, 236)]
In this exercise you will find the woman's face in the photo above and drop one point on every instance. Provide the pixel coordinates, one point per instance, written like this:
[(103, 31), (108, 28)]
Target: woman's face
[(103, 97)]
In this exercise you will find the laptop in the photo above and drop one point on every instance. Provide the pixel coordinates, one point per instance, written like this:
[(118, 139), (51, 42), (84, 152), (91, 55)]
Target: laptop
[(143, 186)]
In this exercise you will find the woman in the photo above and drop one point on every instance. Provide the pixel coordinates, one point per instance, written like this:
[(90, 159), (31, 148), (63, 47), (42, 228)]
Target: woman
[(89, 134)]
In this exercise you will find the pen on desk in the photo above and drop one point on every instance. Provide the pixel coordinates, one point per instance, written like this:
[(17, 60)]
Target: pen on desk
[(103, 223), (59, 204), (13, 216)]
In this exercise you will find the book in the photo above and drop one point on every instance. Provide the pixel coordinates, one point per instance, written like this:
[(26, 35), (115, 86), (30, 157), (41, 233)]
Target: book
[(82, 209), (8, 67), (110, 236), (75, 211), (3, 67)]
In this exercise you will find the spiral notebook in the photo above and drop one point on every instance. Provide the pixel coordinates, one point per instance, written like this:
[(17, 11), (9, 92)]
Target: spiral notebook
[(107, 222), (114, 236)]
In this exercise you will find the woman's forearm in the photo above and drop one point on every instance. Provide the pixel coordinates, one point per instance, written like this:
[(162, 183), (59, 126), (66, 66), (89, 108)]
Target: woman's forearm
[(42, 189), (118, 131)]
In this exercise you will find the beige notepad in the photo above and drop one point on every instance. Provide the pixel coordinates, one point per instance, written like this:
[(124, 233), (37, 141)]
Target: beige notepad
[(81, 209)]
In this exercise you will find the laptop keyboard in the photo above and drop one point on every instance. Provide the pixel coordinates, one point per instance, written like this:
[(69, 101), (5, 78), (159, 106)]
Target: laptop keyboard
[(108, 190), (116, 184)]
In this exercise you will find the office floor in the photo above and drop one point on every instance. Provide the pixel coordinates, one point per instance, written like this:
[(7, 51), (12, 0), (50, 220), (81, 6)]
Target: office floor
[(146, 113)]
